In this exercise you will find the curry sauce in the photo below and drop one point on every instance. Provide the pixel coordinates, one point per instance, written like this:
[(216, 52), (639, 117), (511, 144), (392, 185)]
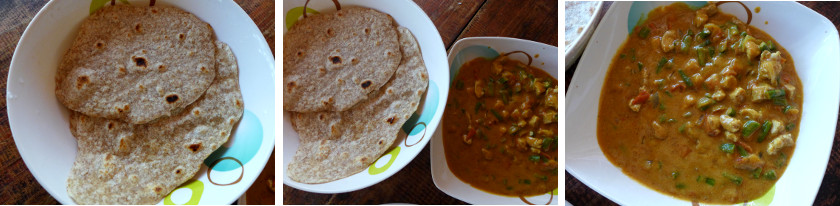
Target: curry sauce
[(500, 127), (701, 106)]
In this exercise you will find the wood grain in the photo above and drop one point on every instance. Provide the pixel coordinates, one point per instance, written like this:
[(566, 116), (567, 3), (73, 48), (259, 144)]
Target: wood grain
[(531, 20), (578, 193), (17, 185), (450, 17)]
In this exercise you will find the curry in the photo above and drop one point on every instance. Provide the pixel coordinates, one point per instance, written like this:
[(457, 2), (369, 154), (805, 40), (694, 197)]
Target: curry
[(701, 106), (500, 127)]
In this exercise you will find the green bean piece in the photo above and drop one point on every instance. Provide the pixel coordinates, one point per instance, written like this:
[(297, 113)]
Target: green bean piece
[(756, 173), (644, 32), (734, 178), (710, 181), (765, 129), (730, 112), (497, 115), (685, 78), (661, 64), (727, 147), (741, 151), (790, 126), (749, 128), (770, 175), (704, 103), (682, 128)]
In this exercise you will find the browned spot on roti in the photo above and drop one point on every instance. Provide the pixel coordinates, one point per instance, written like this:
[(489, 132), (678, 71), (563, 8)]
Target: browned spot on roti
[(330, 32), (100, 44), (140, 61), (389, 53), (137, 28), (390, 91), (238, 103), (154, 11), (178, 171), (172, 98), (204, 69), (81, 81), (367, 30), (321, 117), (194, 147), (335, 59), (110, 125), (366, 84), (123, 145), (161, 68), (354, 61), (181, 36), (300, 53), (381, 142), (391, 120), (122, 69), (158, 189), (196, 112)]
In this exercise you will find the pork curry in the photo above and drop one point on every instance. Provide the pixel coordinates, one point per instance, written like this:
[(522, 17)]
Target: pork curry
[(500, 127), (701, 106)]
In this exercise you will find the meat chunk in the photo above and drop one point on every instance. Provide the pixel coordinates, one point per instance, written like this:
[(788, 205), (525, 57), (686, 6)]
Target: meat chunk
[(712, 81), (703, 14), (759, 92), (730, 124), (750, 162), (770, 66), (730, 136), (748, 112), (780, 142), (737, 95), (778, 126), (659, 132), (689, 100), (719, 95), (728, 82), (668, 40), (712, 125)]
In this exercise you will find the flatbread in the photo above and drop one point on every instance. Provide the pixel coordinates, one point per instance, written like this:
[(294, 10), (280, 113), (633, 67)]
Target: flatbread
[(333, 61), (335, 145), (136, 63), (121, 163)]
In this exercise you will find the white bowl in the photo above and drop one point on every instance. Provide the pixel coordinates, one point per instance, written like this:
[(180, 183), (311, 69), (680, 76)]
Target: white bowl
[(579, 43), (815, 49), (40, 126), (418, 127), (464, 50)]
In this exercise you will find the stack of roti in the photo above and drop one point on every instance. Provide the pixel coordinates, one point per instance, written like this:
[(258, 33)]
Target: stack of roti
[(153, 94), (351, 79)]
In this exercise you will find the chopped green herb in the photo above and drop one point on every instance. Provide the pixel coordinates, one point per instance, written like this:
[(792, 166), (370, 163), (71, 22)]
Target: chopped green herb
[(682, 128), (680, 186), (534, 158), (741, 151), (790, 126), (730, 112), (704, 103), (644, 32), (675, 174), (710, 181), (756, 173), (661, 64)]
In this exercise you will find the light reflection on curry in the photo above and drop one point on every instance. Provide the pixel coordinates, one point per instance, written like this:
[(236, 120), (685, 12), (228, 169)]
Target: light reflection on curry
[(698, 105), (500, 127)]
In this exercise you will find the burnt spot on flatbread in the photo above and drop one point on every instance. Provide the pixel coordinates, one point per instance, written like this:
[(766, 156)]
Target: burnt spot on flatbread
[(238, 103), (330, 32), (139, 61), (100, 44), (82, 81), (335, 59), (178, 171), (223, 134), (161, 68), (366, 84), (158, 189), (196, 112), (300, 53), (322, 70), (391, 120), (182, 36), (172, 98), (110, 125), (321, 117), (327, 102), (121, 110), (291, 85), (367, 30), (354, 61), (194, 147), (381, 142), (203, 69), (155, 11), (390, 91), (389, 53), (138, 28)]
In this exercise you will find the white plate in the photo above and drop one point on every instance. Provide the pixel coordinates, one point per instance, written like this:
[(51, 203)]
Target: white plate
[(464, 50), (418, 127), (579, 43), (39, 123), (815, 49)]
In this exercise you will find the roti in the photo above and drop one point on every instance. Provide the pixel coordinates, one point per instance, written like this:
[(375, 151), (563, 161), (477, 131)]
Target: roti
[(333, 61), (136, 64), (122, 163), (334, 145)]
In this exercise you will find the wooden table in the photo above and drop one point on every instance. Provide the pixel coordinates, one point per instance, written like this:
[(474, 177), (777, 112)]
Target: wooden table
[(17, 185), (829, 194), (532, 20)]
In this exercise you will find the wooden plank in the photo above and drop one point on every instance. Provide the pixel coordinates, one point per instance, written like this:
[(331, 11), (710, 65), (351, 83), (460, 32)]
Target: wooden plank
[(531, 20), (450, 17)]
